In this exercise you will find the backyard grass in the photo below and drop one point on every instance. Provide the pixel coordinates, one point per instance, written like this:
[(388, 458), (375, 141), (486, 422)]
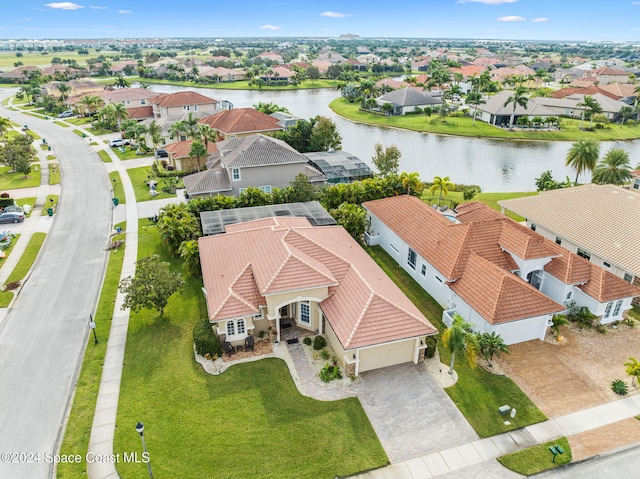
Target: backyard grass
[(139, 178), (54, 175), (478, 394), (489, 199), (537, 459), (11, 180), (118, 190), (24, 265), (197, 425), (76, 438), (463, 126), (50, 204), (105, 156), (26, 201)]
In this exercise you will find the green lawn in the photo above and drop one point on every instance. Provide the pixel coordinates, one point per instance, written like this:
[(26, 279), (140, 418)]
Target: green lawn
[(48, 204), (24, 265), (8, 250), (489, 199), (76, 439), (139, 177), (244, 85), (197, 425), (12, 180), (538, 458), (54, 175), (118, 188), (478, 394), (462, 126), (634, 312), (79, 121), (105, 156), (129, 153)]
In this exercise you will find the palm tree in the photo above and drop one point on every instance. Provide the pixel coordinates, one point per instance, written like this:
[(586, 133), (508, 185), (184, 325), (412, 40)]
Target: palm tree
[(121, 82), (5, 126), (442, 185), (206, 134), (458, 338), (583, 156), (386, 107), (625, 112), (492, 344), (189, 252), (411, 182), (64, 89), (633, 369), (137, 131), (177, 129), (613, 169), (519, 97), (190, 125), (475, 99), (91, 103), (591, 104), (198, 150), (155, 134), (636, 90)]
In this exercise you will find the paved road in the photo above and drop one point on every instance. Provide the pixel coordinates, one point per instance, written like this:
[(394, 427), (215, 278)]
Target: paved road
[(42, 339)]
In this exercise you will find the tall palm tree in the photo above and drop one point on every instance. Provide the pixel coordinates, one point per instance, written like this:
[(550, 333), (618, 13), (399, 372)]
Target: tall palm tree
[(411, 182), (442, 184), (121, 82), (5, 126), (613, 169), (636, 90), (459, 339), (519, 97), (64, 89), (155, 135), (583, 156), (475, 99), (198, 150), (591, 104), (91, 103), (206, 134), (177, 129), (137, 131), (190, 125)]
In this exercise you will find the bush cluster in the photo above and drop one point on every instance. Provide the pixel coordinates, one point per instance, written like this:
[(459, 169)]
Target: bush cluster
[(206, 340), (319, 343)]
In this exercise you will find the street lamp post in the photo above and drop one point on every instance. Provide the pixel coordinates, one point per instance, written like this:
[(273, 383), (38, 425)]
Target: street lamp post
[(140, 430), (92, 327)]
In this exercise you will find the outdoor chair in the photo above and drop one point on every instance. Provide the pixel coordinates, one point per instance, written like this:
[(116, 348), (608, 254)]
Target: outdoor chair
[(228, 348), (248, 343)]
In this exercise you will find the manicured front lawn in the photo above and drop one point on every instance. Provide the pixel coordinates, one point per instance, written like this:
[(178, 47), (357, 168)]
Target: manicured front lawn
[(538, 458), (24, 265), (80, 121), (248, 422), (478, 394), (139, 178), (54, 175), (489, 199), (105, 156), (76, 439), (464, 126), (26, 201), (8, 250), (11, 180), (118, 189)]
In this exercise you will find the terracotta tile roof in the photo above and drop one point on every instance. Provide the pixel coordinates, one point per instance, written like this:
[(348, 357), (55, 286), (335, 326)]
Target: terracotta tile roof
[(469, 70), (242, 120), (584, 215), (524, 243), (140, 113), (182, 98), (498, 296), (591, 90), (124, 94), (364, 307), (181, 149), (569, 268), (605, 286), (621, 90), (475, 211)]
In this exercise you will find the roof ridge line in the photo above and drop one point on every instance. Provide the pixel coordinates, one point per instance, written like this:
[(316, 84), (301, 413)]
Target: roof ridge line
[(365, 309), (231, 293), (275, 274)]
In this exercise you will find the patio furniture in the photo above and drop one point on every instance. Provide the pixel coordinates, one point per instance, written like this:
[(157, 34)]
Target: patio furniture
[(248, 343), (228, 348)]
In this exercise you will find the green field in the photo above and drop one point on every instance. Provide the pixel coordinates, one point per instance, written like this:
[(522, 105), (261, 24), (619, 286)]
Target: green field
[(489, 199), (536, 459), (462, 126), (10, 180)]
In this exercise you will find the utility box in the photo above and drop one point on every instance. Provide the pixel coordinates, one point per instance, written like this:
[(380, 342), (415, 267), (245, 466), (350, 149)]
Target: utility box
[(504, 409)]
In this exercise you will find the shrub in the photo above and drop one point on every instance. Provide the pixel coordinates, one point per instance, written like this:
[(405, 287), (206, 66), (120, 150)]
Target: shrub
[(631, 122), (432, 344), (601, 329), (619, 387), (307, 341), (329, 373), (468, 194), (4, 202), (206, 340), (319, 343), (324, 354)]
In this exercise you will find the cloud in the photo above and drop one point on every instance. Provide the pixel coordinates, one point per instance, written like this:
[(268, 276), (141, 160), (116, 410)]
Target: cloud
[(635, 3), (511, 18), (488, 2), (331, 14), (124, 12), (64, 6), (270, 27), (95, 7), (540, 20)]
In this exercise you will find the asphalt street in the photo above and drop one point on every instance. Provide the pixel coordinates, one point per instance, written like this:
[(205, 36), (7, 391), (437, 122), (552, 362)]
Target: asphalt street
[(42, 339)]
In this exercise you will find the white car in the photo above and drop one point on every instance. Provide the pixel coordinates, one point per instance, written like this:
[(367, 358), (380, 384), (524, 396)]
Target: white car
[(118, 142)]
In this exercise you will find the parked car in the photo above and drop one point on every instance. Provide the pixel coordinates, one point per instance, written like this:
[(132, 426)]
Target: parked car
[(118, 142), (11, 217), (162, 154), (65, 114), (13, 208)]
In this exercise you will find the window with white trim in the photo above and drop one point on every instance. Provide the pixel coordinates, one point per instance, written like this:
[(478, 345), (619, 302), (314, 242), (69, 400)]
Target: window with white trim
[(583, 254), (636, 184), (186, 107), (266, 189), (569, 294), (533, 226), (607, 310), (606, 265), (558, 240), (235, 327), (143, 101), (438, 279), (241, 190), (235, 174), (195, 107), (304, 312), (240, 327), (616, 312), (423, 270), (412, 258), (628, 277), (231, 328)]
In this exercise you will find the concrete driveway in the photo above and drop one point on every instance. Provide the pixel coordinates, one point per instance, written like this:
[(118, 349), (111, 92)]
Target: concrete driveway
[(410, 412)]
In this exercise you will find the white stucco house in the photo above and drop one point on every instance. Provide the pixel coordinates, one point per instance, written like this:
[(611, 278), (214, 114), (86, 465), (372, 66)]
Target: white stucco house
[(497, 274)]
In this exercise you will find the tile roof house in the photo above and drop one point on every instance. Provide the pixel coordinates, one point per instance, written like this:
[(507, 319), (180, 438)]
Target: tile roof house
[(76, 88), (282, 271), (594, 221), (256, 160), (180, 158), (17, 75), (408, 99), (606, 75), (167, 104), (497, 274), (241, 122)]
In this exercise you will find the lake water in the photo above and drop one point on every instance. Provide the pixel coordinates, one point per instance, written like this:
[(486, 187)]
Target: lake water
[(495, 165)]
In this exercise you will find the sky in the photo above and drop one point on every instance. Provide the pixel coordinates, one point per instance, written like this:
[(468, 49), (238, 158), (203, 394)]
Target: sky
[(561, 20)]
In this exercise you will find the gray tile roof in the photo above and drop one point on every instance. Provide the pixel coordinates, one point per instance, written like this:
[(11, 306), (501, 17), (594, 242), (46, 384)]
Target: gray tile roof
[(213, 180), (409, 97), (257, 150)]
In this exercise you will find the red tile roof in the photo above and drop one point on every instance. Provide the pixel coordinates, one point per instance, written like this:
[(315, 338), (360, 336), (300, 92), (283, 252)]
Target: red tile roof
[(182, 98), (592, 90), (140, 113), (605, 286), (182, 149), (242, 120)]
